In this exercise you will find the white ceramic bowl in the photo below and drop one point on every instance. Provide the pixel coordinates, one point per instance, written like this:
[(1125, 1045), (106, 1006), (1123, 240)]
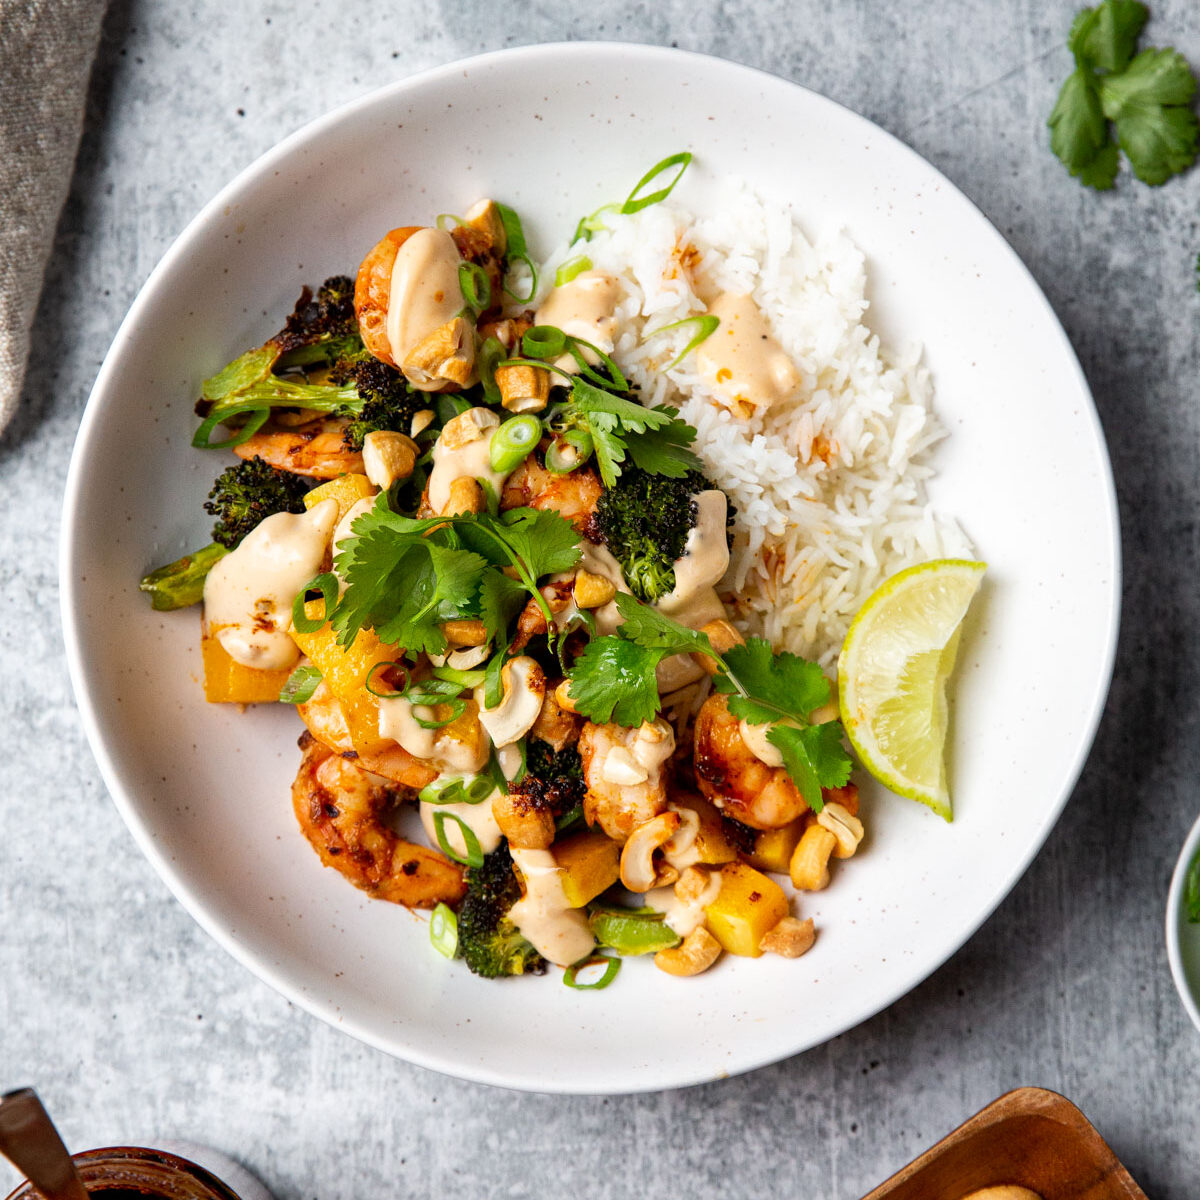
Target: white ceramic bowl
[(1183, 937), (556, 131)]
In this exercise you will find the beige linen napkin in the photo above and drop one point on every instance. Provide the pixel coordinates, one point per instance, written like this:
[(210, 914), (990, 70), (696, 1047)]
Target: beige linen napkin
[(46, 53)]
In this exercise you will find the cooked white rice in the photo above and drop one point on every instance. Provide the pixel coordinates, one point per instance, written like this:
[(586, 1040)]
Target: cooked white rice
[(830, 485)]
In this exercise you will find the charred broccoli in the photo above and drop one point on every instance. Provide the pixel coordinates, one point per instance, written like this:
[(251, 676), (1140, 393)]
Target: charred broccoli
[(491, 945), (316, 362), (246, 493), (553, 780), (644, 520)]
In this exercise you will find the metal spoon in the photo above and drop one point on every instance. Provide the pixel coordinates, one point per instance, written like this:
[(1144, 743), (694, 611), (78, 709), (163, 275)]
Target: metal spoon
[(30, 1142)]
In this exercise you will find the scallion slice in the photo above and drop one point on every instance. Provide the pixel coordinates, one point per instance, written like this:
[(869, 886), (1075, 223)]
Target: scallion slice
[(635, 203), (448, 221), (517, 250), (544, 342), (611, 967), (706, 325), (300, 685), (257, 418), (327, 585), (475, 285), (571, 268), (464, 679), (592, 223), (514, 442), (490, 355), (474, 856), (443, 930), (384, 692)]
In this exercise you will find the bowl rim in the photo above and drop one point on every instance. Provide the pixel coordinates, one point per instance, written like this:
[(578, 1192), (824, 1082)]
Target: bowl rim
[(1175, 922), (617, 53)]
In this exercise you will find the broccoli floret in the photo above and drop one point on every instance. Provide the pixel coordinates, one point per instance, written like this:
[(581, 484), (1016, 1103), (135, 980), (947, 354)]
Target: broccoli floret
[(553, 780), (246, 493), (489, 942), (321, 329), (385, 399), (644, 520)]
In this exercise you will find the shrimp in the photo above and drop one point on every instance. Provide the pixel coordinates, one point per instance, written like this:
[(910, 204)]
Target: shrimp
[(623, 770), (326, 721), (734, 778), (373, 290), (315, 448), (532, 620), (573, 496), (340, 809)]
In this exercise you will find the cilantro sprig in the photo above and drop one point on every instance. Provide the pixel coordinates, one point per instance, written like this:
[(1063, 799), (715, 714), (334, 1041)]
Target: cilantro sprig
[(614, 680), (1145, 98), (405, 576)]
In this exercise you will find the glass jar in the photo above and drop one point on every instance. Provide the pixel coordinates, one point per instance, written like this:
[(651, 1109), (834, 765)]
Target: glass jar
[(135, 1173)]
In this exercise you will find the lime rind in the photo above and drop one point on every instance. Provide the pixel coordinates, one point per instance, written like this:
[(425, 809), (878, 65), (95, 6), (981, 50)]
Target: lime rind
[(893, 670)]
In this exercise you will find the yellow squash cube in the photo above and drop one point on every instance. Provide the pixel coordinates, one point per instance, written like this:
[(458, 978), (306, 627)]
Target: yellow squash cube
[(712, 843), (226, 681), (344, 668), (590, 862), (773, 847), (347, 490), (748, 906)]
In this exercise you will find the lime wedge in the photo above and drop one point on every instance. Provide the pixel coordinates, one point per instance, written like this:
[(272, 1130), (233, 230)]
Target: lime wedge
[(892, 675)]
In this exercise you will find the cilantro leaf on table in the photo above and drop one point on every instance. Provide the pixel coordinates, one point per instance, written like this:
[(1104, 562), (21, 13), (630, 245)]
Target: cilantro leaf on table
[(1146, 96), (814, 757), (771, 686), (1107, 35), (1148, 103)]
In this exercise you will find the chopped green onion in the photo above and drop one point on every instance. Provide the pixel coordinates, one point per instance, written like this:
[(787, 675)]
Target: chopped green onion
[(544, 341), (569, 818), (635, 203), (327, 585), (592, 224), (202, 438), (474, 856), (545, 366), (443, 930), (571, 268), (514, 442), (429, 694), (612, 966), (568, 451), (475, 285), (517, 250), (378, 669), (706, 325), (464, 679), (493, 678), (181, 583), (490, 355), (300, 685), (614, 381), (458, 789), (490, 498), (447, 221), (1191, 892), (450, 405)]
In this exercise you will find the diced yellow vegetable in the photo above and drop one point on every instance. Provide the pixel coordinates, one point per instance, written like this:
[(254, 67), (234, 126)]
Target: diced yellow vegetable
[(590, 862), (773, 848), (712, 844), (344, 668), (748, 906), (226, 681), (347, 490)]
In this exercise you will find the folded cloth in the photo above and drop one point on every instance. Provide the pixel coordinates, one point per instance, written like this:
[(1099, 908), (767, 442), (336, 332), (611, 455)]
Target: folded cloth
[(46, 53)]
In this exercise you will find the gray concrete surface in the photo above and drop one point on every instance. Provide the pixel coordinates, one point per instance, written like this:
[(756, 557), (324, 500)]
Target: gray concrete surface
[(135, 1026)]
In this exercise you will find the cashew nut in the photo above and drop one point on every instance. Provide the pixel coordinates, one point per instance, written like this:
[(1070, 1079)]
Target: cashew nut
[(638, 873), (465, 631), (846, 829), (388, 456), (523, 389), (695, 954), (809, 865), (466, 496), (443, 358), (621, 767), (723, 637), (421, 421), (468, 427), (790, 938), (593, 591), (524, 689), (484, 215)]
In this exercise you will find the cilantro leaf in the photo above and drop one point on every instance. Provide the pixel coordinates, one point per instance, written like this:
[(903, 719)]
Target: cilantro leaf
[(771, 685), (665, 451), (814, 758), (500, 599), (1078, 130), (545, 540), (1106, 36), (649, 628), (628, 414), (1101, 172), (614, 679), (1155, 78)]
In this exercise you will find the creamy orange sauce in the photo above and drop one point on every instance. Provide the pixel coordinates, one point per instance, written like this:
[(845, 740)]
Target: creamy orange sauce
[(742, 358), (557, 931), (248, 594), (425, 292), (478, 819), (585, 308)]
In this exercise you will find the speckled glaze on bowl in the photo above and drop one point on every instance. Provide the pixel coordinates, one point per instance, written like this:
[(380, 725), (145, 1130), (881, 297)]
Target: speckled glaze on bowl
[(204, 789), (1183, 938)]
